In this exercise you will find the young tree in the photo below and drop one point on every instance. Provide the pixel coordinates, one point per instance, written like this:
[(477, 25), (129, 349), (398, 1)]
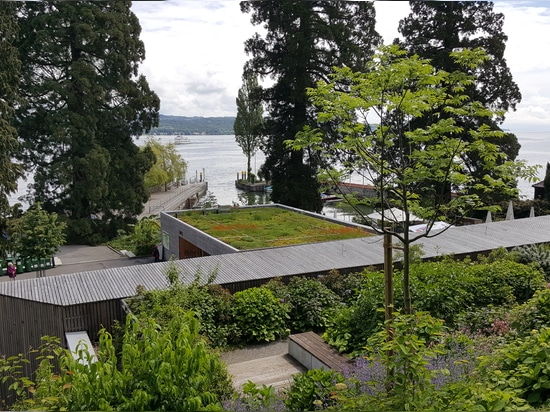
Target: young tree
[(85, 103), (249, 120), (303, 41), (39, 234), (393, 92), (432, 30), (10, 71), (169, 165)]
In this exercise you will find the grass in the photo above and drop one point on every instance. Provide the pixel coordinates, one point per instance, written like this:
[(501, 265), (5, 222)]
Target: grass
[(265, 227)]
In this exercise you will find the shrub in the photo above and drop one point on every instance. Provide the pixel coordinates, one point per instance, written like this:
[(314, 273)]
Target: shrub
[(317, 389), (502, 282), (353, 324), (523, 366), (311, 303), (347, 287), (532, 315), (438, 288), (210, 303), (167, 368), (259, 315), (538, 254)]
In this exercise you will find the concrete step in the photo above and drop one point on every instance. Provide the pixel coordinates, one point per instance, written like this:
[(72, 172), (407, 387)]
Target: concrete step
[(273, 371)]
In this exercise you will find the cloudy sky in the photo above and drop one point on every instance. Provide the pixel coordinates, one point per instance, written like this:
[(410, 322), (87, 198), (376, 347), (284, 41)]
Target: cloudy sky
[(195, 54)]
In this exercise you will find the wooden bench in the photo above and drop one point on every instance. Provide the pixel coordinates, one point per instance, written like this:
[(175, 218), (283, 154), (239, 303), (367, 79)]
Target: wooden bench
[(312, 352)]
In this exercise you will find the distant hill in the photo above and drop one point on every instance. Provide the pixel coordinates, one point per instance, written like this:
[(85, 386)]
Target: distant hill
[(170, 125)]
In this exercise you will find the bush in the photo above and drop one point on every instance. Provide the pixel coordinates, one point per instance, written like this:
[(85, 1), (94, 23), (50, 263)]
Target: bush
[(502, 282), (438, 288), (311, 303), (316, 389), (168, 368), (523, 366), (347, 287), (352, 325), (532, 315), (538, 254), (211, 304), (259, 315)]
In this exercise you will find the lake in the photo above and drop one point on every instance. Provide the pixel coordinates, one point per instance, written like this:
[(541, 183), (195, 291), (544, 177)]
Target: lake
[(220, 159)]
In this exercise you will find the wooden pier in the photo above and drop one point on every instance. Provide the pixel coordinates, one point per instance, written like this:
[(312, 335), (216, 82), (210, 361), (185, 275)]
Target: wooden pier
[(183, 197)]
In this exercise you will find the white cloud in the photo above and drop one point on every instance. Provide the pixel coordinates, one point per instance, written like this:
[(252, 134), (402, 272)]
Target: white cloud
[(195, 53)]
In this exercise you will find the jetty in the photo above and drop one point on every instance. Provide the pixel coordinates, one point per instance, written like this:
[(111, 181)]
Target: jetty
[(182, 197)]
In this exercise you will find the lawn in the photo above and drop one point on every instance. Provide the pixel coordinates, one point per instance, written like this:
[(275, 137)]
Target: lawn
[(264, 227)]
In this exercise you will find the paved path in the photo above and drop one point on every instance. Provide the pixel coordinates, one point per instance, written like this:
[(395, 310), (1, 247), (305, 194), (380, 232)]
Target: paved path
[(267, 364)]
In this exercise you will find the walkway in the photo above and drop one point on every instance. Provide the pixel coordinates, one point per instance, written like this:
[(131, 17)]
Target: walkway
[(174, 199), (264, 364)]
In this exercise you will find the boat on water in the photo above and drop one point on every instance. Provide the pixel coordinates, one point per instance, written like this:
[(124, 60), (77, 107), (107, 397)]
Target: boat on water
[(179, 139)]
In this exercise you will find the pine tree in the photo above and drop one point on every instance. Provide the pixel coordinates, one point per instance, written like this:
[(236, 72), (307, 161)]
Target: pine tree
[(10, 70), (85, 102), (433, 30), (249, 118), (304, 40)]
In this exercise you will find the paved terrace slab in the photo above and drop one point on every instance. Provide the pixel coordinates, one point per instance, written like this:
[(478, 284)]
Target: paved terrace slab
[(354, 254)]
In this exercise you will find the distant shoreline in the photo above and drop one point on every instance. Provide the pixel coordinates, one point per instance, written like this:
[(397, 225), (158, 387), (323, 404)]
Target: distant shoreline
[(193, 126)]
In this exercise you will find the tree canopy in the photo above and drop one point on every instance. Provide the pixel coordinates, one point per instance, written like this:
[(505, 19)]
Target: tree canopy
[(169, 165), (249, 118), (373, 111), (10, 71), (84, 103), (303, 41), (434, 29)]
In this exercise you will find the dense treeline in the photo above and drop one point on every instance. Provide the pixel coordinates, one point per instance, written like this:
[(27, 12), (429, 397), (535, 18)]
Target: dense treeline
[(170, 125)]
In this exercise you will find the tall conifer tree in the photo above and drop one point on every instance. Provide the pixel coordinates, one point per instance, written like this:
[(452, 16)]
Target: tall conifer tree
[(303, 41), (10, 70), (435, 28), (86, 101)]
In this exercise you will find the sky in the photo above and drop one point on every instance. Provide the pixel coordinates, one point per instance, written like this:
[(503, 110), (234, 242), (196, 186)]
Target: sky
[(195, 54)]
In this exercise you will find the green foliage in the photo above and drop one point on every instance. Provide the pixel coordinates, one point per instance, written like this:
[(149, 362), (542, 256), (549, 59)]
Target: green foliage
[(523, 366), (434, 28), (259, 315), (355, 323), (169, 165), (85, 103), (418, 159), (439, 288), (254, 398), (415, 339), (165, 369), (532, 315), (141, 239), (211, 305), (490, 321), (10, 72), (311, 304), (39, 233), (249, 121), (299, 47), (347, 287), (539, 254), (502, 282), (315, 390)]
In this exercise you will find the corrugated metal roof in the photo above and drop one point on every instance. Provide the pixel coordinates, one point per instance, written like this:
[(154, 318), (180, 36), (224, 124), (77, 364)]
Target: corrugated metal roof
[(118, 283)]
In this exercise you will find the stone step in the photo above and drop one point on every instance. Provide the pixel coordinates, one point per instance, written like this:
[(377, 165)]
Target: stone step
[(273, 371)]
